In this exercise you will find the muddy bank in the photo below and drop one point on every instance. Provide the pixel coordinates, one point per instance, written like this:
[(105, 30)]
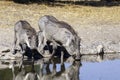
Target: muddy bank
[(105, 34)]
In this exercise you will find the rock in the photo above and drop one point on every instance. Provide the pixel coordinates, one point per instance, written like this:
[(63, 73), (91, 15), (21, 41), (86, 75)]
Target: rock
[(100, 48), (9, 55)]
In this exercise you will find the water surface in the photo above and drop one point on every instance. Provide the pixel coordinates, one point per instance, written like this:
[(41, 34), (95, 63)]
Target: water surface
[(106, 70)]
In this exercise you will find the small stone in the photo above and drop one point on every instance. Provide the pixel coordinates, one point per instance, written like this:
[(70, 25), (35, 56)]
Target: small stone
[(99, 48)]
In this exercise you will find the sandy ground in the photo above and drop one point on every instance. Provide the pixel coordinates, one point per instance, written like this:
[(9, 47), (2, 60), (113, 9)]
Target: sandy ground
[(95, 25)]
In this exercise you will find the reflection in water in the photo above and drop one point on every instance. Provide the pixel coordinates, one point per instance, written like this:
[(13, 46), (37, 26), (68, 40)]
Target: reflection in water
[(71, 73), (44, 71), (22, 74)]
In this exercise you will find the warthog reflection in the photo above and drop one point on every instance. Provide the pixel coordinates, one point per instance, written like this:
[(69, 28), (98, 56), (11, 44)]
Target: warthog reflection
[(23, 74), (43, 71), (71, 73)]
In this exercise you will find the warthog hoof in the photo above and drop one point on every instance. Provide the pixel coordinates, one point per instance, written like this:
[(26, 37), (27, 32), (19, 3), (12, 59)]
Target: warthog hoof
[(14, 51), (77, 58)]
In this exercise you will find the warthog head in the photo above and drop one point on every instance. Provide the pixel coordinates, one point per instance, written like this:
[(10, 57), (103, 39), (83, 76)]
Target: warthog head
[(74, 47)]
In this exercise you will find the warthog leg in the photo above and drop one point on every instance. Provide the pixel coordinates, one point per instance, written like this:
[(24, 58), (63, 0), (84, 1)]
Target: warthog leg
[(14, 50), (54, 48), (62, 56)]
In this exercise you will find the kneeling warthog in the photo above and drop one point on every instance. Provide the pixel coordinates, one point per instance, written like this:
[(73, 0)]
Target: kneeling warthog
[(25, 36), (60, 33)]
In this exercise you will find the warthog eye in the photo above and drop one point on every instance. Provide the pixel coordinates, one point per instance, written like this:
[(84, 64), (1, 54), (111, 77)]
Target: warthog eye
[(29, 37)]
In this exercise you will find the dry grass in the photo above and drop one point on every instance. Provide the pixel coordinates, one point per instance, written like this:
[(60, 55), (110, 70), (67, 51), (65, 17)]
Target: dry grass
[(75, 15)]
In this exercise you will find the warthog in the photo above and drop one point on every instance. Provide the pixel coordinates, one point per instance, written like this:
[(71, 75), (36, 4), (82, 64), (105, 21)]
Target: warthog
[(25, 36), (59, 33)]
